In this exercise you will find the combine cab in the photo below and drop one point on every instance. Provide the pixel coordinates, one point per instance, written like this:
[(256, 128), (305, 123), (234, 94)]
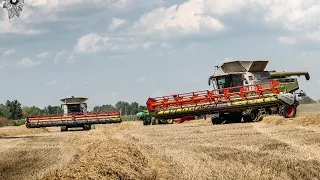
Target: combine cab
[(244, 92), (74, 115)]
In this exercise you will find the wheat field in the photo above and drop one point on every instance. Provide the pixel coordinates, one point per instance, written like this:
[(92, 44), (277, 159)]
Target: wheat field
[(272, 149)]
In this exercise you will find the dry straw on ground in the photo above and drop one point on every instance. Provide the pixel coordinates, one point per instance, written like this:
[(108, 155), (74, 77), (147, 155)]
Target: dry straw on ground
[(272, 149), (311, 119)]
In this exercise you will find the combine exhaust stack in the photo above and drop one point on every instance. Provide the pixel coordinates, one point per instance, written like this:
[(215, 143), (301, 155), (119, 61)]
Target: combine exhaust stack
[(75, 115)]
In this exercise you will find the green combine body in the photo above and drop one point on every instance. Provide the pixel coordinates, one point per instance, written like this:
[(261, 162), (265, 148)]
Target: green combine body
[(288, 84), (148, 119)]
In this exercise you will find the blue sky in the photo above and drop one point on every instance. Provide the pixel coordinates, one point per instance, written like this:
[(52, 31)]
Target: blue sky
[(110, 50)]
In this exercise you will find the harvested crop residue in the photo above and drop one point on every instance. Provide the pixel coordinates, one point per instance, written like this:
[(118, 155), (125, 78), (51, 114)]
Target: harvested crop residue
[(310, 119), (275, 148), (20, 130)]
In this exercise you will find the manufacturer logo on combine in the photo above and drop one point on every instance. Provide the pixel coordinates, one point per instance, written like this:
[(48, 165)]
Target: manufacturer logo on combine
[(14, 7)]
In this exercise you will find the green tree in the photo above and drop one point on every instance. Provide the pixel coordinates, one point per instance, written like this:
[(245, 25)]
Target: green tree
[(106, 107), (33, 110), (307, 100), (52, 110), (4, 111), (14, 110), (124, 107)]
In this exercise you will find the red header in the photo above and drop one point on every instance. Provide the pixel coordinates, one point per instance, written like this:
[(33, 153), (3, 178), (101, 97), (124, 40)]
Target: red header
[(217, 96), (74, 115)]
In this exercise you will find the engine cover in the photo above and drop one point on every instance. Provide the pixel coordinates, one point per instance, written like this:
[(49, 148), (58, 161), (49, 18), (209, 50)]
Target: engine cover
[(287, 98)]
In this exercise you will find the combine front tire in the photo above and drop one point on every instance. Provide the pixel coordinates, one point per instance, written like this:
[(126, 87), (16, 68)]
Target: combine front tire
[(170, 121), (147, 122), (251, 116), (217, 120), (289, 111), (234, 117), (155, 121), (63, 128), (87, 127)]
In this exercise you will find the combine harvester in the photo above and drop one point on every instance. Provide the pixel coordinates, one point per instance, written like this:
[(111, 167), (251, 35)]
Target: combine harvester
[(75, 115), (244, 92)]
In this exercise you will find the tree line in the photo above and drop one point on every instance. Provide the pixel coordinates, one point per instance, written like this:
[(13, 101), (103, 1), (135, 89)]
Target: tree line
[(13, 110), (124, 107)]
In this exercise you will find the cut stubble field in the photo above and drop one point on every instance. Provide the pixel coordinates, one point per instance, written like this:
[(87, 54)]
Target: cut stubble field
[(272, 149)]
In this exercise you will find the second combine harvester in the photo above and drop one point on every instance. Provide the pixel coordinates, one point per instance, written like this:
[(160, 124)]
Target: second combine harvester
[(242, 93), (75, 115)]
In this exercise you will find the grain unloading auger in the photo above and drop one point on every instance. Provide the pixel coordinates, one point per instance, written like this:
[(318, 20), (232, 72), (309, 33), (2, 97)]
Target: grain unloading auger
[(74, 115), (244, 92)]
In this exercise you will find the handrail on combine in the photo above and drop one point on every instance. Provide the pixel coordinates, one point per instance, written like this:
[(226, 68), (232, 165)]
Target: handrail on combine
[(216, 96)]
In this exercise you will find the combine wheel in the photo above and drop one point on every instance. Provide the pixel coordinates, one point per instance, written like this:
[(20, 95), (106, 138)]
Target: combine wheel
[(146, 123), (288, 111), (87, 127), (170, 121), (63, 128), (251, 116), (217, 119), (155, 121), (234, 117)]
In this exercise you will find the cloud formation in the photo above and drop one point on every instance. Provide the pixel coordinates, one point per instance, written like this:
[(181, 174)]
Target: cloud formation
[(28, 63)]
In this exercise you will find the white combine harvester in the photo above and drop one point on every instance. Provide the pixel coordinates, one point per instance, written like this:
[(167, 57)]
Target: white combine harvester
[(75, 114)]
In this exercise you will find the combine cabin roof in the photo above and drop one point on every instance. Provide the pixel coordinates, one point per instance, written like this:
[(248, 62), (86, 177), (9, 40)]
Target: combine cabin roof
[(74, 100), (225, 74)]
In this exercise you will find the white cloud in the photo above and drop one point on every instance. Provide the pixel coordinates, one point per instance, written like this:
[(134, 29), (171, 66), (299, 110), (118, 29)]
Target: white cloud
[(196, 47), (187, 18), (142, 79), (28, 63), (93, 43), (166, 45), (44, 55), (58, 4), (10, 27), (222, 7), (51, 83), (313, 36), (44, 11), (116, 23), (60, 56), (301, 17), (49, 10), (287, 40), (9, 51), (19, 25)]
